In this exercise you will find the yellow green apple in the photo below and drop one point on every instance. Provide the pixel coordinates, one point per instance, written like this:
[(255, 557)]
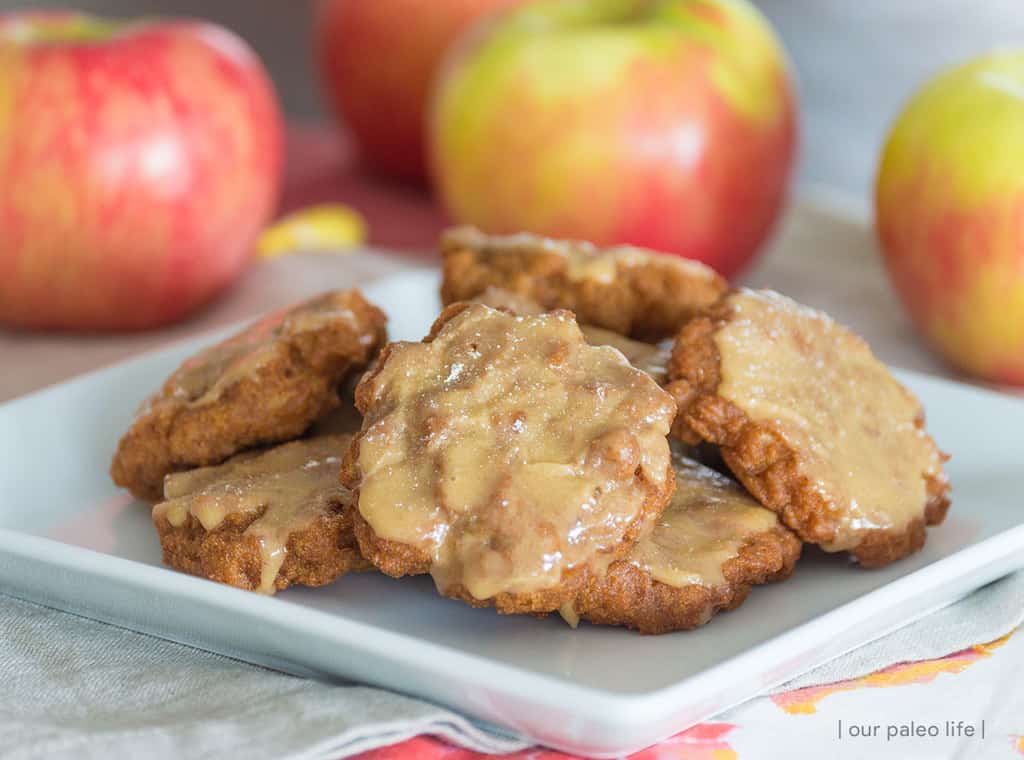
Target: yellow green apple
[(668, 124), (949, 208)]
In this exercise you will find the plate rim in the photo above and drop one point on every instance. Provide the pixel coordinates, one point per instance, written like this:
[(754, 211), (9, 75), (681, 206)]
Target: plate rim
[(618, 712)]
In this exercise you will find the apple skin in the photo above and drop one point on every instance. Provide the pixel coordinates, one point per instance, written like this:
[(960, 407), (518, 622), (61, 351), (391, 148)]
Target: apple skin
[(138, 163), (669, 124), (949, 214), (377, 59)]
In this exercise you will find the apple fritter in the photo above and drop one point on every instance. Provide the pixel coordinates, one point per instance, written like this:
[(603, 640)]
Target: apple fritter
[(266, 384)]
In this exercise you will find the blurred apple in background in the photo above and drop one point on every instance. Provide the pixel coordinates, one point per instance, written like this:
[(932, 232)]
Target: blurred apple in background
[(138, 163), (661, 123), (949, 209), (377, 60)]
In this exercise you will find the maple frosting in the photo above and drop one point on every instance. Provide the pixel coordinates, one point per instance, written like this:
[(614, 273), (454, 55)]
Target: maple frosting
[(290, 486), (854, 427), (509, 450)]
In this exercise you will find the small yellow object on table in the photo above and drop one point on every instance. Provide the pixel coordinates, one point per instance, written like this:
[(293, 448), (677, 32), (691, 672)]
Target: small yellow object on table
[(327, 228)]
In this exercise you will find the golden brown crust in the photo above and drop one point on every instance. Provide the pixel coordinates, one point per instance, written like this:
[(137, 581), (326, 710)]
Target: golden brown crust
[(275, 402), (397, 559), (630, 597), (647, 301), (390, 557), (316, 555), (762, 460)]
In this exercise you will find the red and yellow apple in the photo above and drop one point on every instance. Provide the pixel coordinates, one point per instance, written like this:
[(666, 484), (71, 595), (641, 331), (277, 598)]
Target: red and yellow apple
[(138, 163), (949, 211), (377, 59), (662, 123)]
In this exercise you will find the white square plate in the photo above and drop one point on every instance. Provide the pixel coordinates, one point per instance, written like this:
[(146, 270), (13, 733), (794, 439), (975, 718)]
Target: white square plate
[(70, 539)]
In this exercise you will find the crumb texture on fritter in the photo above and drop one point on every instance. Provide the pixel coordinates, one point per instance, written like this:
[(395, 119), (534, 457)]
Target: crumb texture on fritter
[(266, 384), (263, 520), (631, 291), (710, 545), (652, 358), (507, 457), (811, 422)]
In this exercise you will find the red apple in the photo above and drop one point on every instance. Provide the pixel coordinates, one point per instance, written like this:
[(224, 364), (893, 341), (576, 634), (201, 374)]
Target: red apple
[(949, 205), (377, 59), (138, 163), (668, 124)]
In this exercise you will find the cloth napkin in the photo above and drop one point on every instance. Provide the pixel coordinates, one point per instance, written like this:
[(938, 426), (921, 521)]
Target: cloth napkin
[(74, 688)]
